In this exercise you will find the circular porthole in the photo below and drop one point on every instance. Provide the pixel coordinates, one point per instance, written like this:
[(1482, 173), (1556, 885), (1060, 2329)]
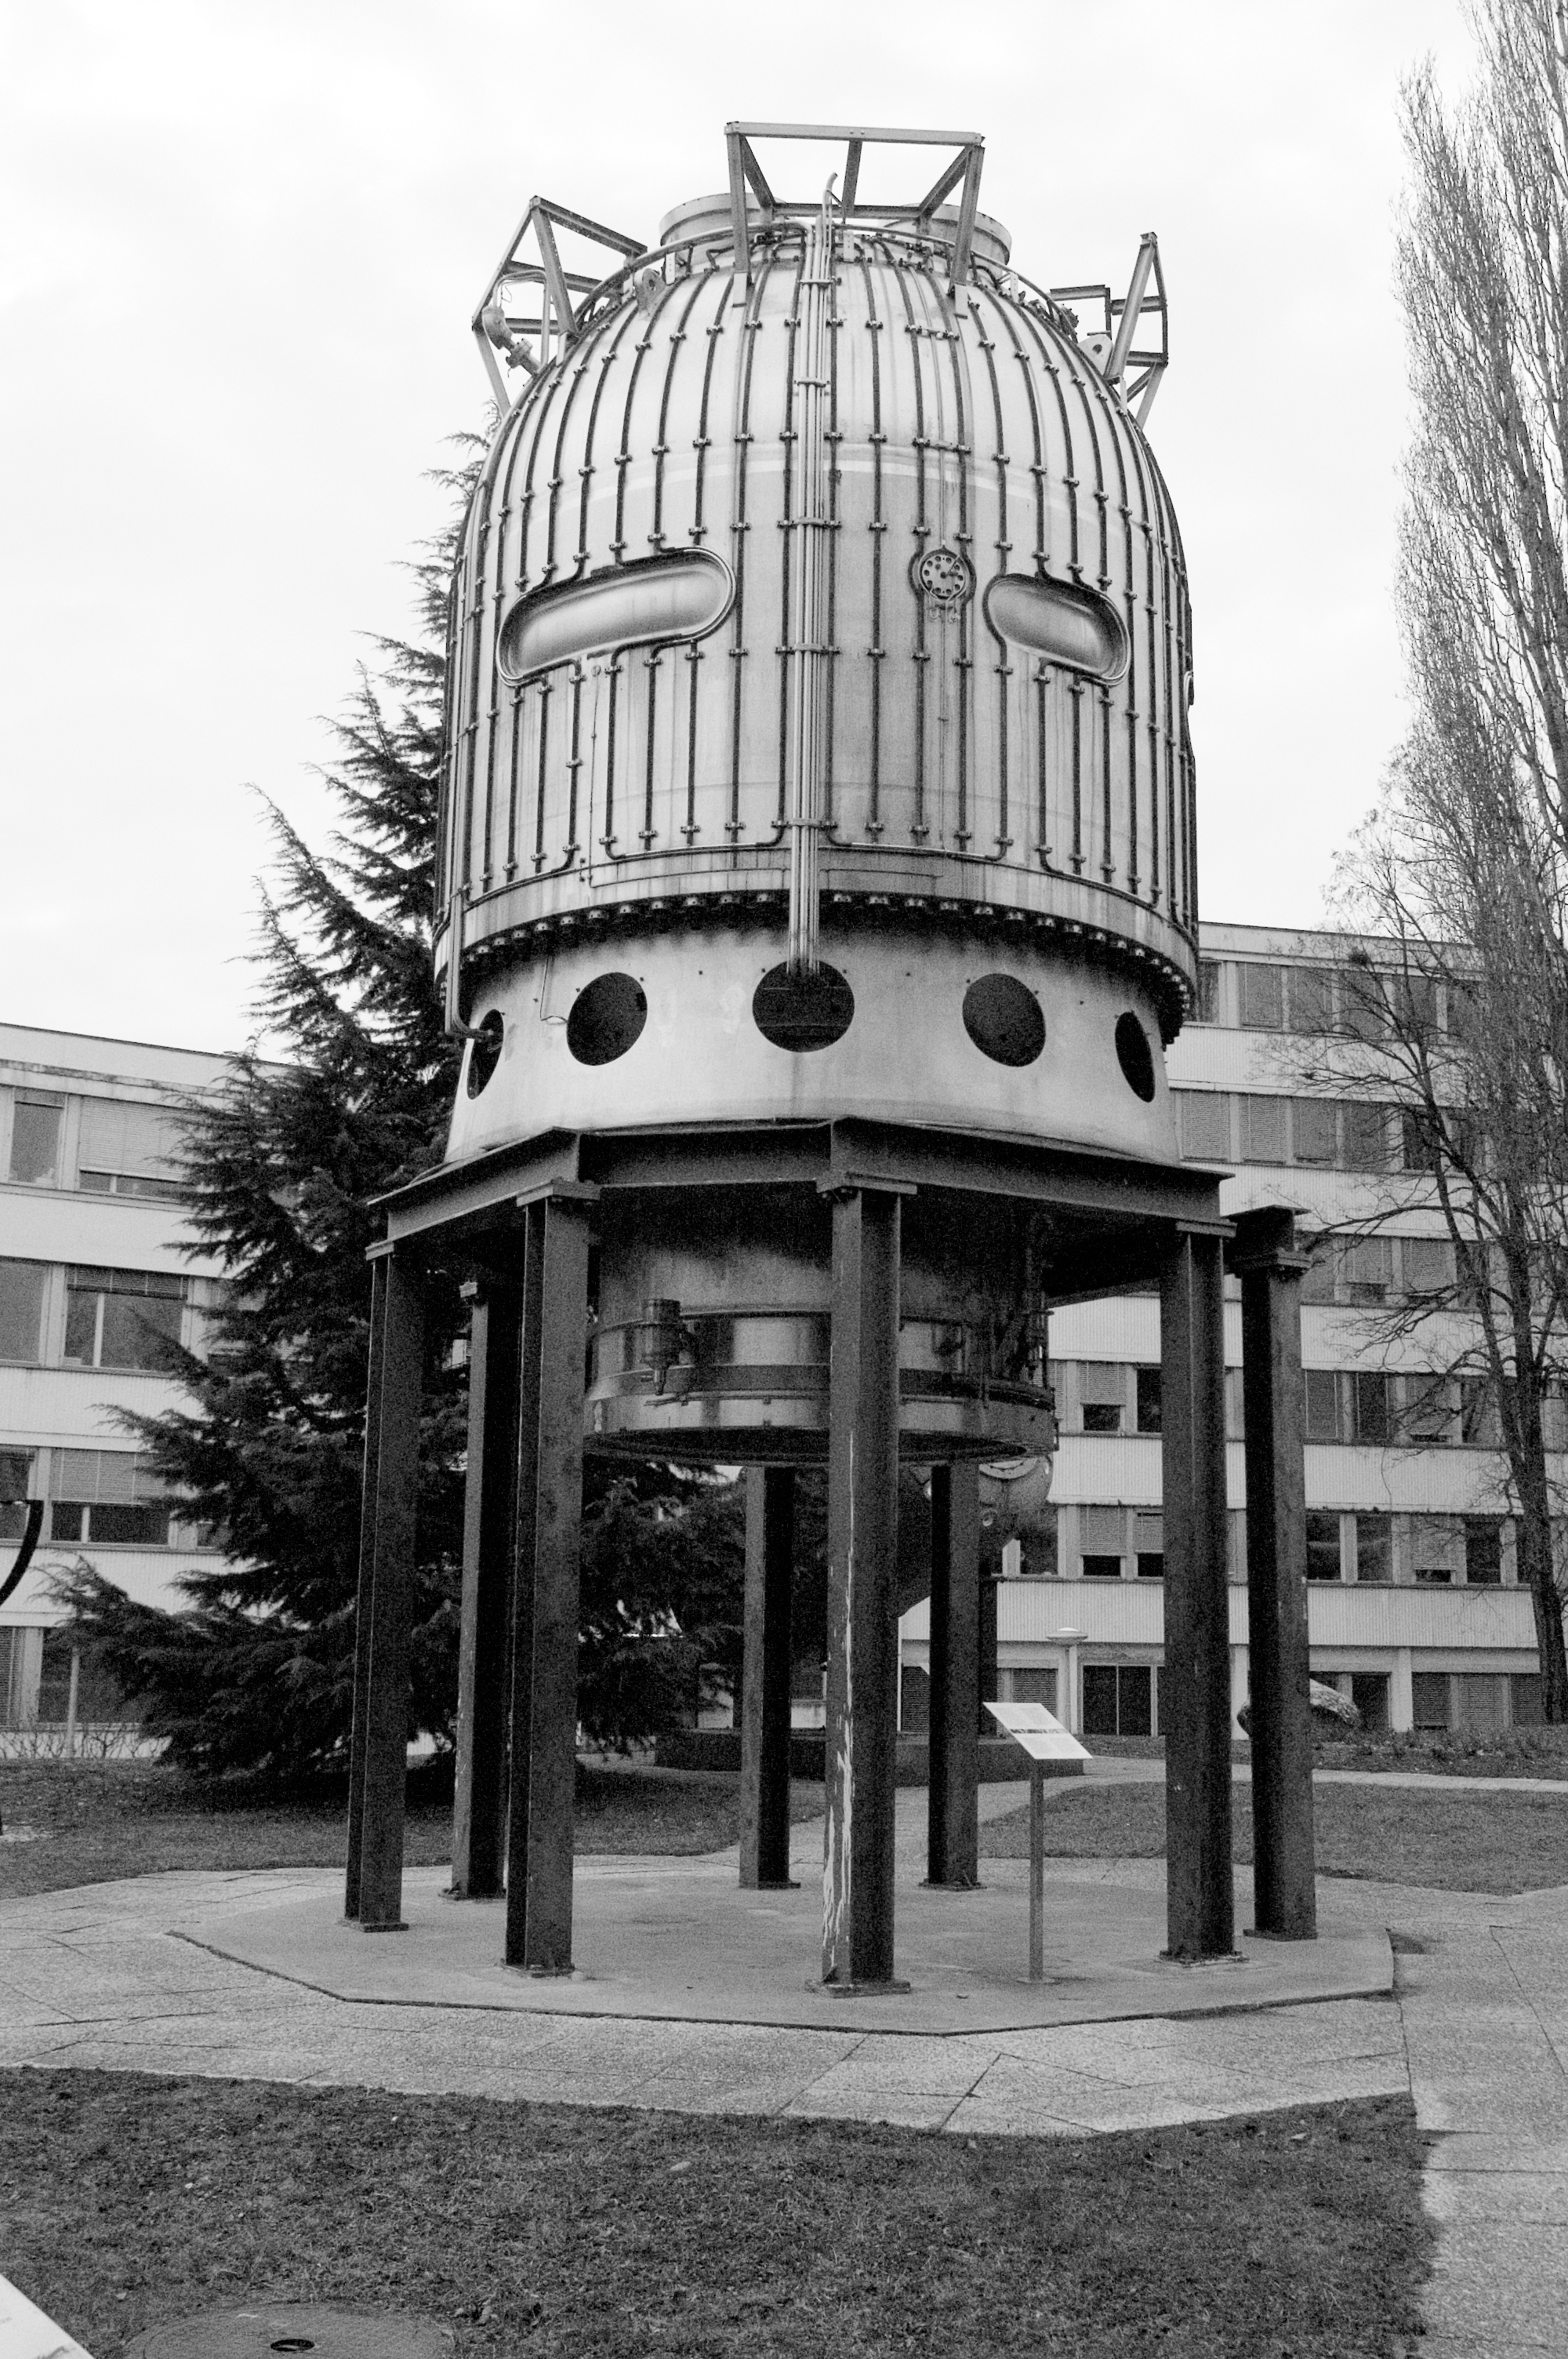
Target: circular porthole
[(1003, 1018), (607, 1018), (1135, 1056), (484, 1051), (802, 1012)]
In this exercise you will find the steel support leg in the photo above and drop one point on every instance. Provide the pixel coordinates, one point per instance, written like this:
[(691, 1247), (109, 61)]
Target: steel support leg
[(548, 1587), (862, 1591), (1195, 1693), (490, 1512), (953, 1827), (764, 1678), (398, 1329), (1284, 1865), (365, 1589)]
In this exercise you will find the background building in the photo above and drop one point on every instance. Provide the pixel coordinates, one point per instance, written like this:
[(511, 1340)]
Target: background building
[(1414, 1609), (93, 1274)]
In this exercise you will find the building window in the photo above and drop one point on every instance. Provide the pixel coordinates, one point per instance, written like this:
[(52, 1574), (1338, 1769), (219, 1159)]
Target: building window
[(1426, 1265), (1031, 1683), (1369, 1694), (1364, 1132), (108, 1496), (1263, 996), (1374, 1549), (1310, 998), (1118, 1699), (1437, 1550), (1527, 1706), (1484, 1551), (1209, 978), (1480, 1699), (1366, 1271), (37, 1118), (1149, 1546), (1263, 1130), (1368, 1392), (1322, 1404), (1364, 1004), (128, 1148), (22, 1285), (1102, 1538), (1323, 1544), (1314, 1129), (1429, 1699), (1206, 1124), (1428, 1409), (1317, 1283), (1102, 1392), (1148, 1400), (120, 1318), (16, 1490), (1478, 1413)]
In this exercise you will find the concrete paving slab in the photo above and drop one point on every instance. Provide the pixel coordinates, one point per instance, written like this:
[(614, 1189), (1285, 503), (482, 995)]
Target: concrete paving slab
[(1522, 2198), (678, 1946), (1504, 2282)]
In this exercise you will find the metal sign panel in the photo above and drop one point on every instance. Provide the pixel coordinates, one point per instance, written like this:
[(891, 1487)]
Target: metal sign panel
[(1039, 1732)]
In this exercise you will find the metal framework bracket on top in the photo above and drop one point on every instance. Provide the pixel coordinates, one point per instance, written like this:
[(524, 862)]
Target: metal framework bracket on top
[(962, 173), (496, 329)]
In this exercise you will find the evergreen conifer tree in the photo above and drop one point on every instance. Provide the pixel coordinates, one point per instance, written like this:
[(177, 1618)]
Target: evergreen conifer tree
[(278, 1170)]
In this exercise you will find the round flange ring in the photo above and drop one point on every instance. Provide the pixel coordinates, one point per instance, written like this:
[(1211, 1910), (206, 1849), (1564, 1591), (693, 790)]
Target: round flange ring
[(944, 577)]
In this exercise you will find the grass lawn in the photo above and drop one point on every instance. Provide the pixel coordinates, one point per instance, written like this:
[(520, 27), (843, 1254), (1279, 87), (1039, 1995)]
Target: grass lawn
[(101, 1820), (561, 2232), (1457, 1843)]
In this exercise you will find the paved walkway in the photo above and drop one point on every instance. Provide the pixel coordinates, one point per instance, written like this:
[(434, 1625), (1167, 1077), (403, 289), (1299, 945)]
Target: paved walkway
[(1476, 2030)]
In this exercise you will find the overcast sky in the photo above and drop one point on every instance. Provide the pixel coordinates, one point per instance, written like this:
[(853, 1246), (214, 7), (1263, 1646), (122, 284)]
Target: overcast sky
[(243, 240)]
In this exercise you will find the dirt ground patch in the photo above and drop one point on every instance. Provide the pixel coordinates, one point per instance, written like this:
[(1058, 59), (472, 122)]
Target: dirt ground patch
[(572, 2233)]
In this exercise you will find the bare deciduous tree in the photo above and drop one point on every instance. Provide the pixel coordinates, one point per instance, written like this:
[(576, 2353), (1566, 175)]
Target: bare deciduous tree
[(1463, 872)]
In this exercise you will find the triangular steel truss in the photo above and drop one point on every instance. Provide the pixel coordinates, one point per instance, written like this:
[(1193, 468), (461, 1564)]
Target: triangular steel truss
[(533, 295), (962, 174)]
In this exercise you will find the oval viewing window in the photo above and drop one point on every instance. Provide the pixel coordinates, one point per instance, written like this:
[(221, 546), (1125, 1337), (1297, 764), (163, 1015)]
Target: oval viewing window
[(1002, 1016), (484, 1051), (1061, 622), (802, 1012), (607, 1018), (658, 598), (1135, 1056)]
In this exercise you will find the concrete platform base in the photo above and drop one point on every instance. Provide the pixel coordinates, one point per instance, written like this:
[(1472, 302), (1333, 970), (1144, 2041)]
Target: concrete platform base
[(677, 1941)]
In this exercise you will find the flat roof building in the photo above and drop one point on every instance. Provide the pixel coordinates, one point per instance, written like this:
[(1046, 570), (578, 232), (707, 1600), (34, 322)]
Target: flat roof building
[(94, 1272)]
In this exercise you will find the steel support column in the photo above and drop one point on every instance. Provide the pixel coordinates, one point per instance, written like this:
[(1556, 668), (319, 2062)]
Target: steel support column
[(953, 1830), (365, 1586), (544, 1650), (765, 1679), (862, 1590), (379, 1748), (1264, 1256), (1194, 1688), (478, 1812)]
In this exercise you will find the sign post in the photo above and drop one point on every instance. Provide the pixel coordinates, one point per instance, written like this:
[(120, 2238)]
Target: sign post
[(1043, 1737)]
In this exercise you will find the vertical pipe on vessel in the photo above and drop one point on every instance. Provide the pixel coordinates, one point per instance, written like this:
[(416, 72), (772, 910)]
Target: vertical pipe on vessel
[(810, 525)]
